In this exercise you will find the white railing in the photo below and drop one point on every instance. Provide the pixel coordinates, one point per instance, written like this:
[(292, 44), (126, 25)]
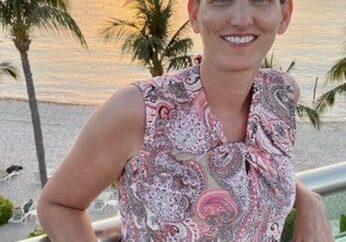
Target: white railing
[(325, 181)]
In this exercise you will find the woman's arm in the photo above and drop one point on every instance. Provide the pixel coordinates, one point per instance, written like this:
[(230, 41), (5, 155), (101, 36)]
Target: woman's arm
[(112, 135), (312, 223)]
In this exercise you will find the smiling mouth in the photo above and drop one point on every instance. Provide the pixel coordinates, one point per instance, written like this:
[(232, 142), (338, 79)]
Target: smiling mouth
[(239, 40)]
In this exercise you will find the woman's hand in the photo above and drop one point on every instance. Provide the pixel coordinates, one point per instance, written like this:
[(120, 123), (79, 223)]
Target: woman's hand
[(312, 223)]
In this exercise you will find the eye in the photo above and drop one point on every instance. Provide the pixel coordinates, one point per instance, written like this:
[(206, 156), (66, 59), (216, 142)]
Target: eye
[(261, 2), (221, 2)]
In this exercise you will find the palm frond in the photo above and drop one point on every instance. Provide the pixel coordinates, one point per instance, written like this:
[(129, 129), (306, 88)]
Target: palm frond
[(144, 49), (143, 10), (159, 18), (8, 15), (177, 35), (4, 14), (60, 4), (52, 18), (311, 113), (338, 71), (118, 30), (146, 35), (291, 66), (328, 98), (140, 7), (272, 59), (128, 43), (268, 62), (178, 47), (6, 68), (180, 62)]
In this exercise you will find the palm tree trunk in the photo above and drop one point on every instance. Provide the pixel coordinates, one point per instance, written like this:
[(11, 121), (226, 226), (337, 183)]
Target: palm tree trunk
[(157, 68), (35, 116)]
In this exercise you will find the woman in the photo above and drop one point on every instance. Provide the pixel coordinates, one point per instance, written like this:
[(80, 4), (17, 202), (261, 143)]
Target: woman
[(202, 155)]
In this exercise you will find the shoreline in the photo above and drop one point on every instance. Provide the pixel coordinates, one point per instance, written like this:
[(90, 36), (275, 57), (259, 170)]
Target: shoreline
[(24, 100), (324, 120), (62, 123)]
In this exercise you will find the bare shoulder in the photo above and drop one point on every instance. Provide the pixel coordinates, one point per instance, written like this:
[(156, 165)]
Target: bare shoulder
[(112, 135), (121, 116), (123, 112)]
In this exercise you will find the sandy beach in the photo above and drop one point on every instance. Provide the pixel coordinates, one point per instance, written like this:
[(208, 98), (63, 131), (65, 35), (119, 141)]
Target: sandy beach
[(61, 125)]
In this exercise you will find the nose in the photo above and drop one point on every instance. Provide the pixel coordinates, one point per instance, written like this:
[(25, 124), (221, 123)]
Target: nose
[(241, 15)]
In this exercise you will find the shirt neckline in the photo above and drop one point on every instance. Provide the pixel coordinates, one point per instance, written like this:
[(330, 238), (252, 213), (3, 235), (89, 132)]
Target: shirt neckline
[(218, 126)]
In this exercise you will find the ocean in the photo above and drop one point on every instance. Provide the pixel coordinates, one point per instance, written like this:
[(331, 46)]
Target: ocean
[(64, 72)]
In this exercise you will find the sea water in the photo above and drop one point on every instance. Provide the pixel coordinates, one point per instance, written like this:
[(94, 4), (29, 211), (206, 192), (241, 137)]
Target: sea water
[(65, 72)]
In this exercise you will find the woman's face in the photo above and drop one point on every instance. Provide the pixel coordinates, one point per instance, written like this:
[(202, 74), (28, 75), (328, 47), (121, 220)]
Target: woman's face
[(237, 34)]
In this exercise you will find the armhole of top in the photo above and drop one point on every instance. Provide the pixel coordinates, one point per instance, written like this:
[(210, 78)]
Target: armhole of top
[(143, 87), (287, 79)]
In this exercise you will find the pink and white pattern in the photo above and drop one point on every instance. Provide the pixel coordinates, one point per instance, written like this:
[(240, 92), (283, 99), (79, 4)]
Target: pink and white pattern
[(190, 184)]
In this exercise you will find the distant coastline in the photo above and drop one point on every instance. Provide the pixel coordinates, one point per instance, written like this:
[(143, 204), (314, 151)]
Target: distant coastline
[(17, 99)]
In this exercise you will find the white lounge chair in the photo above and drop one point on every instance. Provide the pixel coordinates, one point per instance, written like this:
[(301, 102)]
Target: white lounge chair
[(32, 213), (21, 214), (112, 204), (18, 216), (9, 177), (99, 204), (3, 173)]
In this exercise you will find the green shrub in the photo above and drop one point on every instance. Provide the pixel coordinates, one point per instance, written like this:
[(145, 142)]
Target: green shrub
[(342, 223), (287, 233), (6, 207), (37, 232)]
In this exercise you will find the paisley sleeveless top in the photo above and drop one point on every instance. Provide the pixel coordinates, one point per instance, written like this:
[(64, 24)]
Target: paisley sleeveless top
[(189, 184)]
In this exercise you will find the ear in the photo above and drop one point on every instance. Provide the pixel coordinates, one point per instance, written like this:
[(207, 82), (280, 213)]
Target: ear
[(193, 8), (286, 12)]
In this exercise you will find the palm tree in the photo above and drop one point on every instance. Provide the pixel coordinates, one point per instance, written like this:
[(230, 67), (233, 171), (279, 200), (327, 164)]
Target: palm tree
[(336, 74), (301, 109), (20, 18), (148, 37), (7, 69)]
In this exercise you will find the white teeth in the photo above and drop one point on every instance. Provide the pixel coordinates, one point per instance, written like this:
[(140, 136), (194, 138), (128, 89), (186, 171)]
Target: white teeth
[(239, 40)]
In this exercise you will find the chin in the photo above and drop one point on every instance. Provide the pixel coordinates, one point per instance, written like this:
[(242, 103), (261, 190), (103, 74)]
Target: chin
[(239, 66)]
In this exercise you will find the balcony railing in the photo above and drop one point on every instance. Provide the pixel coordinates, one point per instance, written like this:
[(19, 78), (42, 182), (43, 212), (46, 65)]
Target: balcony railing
[(326, 181)]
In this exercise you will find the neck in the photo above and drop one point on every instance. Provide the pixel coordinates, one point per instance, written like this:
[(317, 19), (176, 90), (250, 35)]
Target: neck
[(227, 90)]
